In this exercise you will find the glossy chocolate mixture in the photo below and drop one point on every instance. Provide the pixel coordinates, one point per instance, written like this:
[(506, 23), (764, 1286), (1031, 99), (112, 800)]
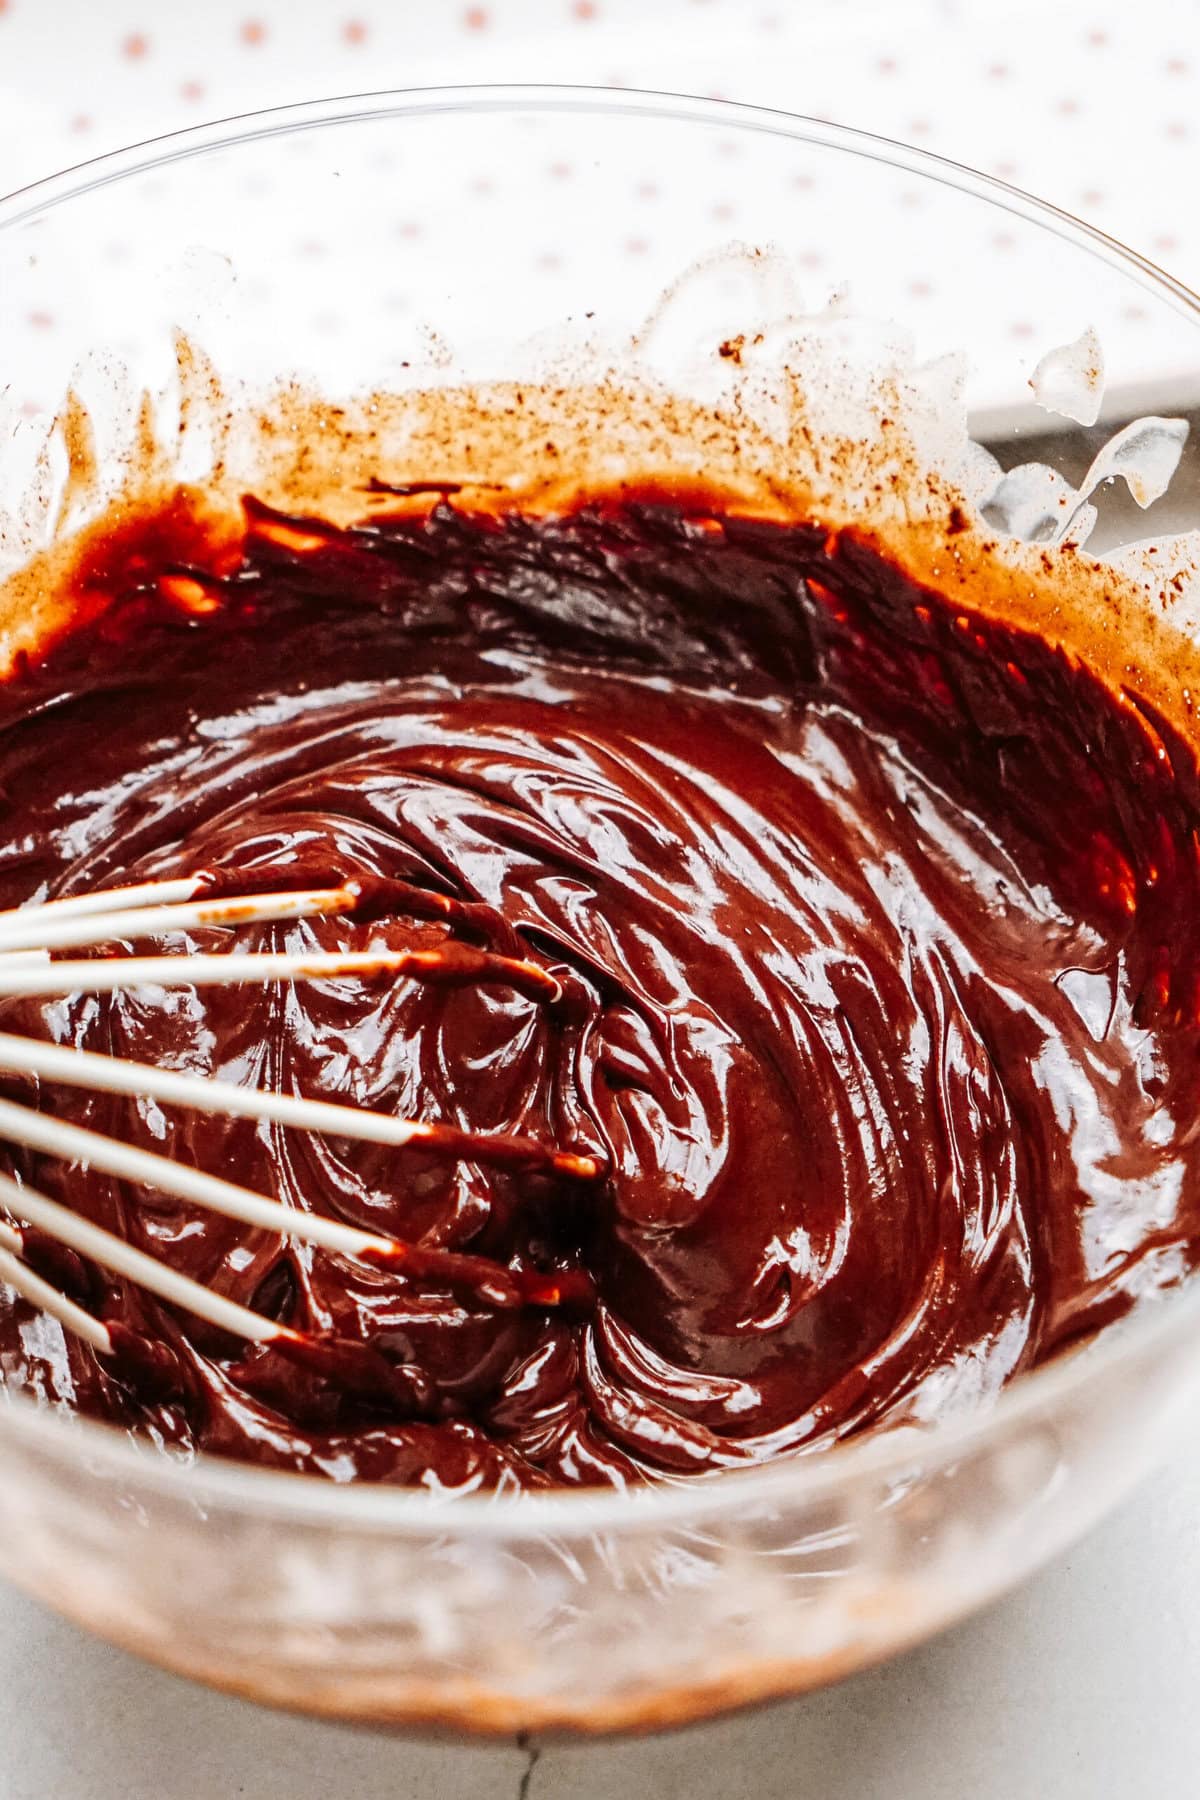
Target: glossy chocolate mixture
[(873, 928)]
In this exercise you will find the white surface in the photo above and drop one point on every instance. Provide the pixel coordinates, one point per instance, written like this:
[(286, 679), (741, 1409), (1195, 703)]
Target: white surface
[(1082, 1684), (1093, 106), (1089, 103)]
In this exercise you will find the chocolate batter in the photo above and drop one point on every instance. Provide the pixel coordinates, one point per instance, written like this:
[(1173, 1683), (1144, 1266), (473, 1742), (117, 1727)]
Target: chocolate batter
[(873, 923)]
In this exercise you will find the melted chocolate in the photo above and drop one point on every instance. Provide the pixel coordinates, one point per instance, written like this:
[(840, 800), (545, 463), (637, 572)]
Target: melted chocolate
[(878, 1004)]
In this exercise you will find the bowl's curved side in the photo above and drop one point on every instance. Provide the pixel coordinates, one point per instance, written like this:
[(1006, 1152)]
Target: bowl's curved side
[(576, 1630)]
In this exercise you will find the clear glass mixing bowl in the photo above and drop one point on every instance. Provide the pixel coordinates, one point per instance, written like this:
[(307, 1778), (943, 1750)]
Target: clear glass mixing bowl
[(427, 238)]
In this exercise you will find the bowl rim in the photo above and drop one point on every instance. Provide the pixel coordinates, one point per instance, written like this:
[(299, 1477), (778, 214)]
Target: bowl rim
[(22, 204), (108, 1450)]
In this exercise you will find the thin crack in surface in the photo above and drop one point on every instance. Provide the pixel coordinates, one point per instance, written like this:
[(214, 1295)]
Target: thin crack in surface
[(532, 1753)]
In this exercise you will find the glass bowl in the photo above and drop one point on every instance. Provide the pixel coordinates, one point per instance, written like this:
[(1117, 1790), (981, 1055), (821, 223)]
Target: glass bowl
[(442, 237)]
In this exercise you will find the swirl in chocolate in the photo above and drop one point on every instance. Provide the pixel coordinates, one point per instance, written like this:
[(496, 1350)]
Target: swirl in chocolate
[(877, 1014)]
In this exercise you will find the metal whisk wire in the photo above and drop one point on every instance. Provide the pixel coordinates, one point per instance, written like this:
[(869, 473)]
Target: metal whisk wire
[(29, 937)]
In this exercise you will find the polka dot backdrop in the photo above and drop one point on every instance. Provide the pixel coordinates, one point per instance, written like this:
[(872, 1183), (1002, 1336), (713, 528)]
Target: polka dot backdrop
[(1094, 107)]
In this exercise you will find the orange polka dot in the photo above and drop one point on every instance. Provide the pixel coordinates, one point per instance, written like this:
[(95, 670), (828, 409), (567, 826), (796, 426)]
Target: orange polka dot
[(81, 122), (354, 31), (475, 18), (42, 320), (191, 90), (584, 9), (135, 45), (253, 32)]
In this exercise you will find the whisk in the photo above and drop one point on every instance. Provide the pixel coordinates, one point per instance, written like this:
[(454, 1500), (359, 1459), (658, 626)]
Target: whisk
[(30, 938)]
